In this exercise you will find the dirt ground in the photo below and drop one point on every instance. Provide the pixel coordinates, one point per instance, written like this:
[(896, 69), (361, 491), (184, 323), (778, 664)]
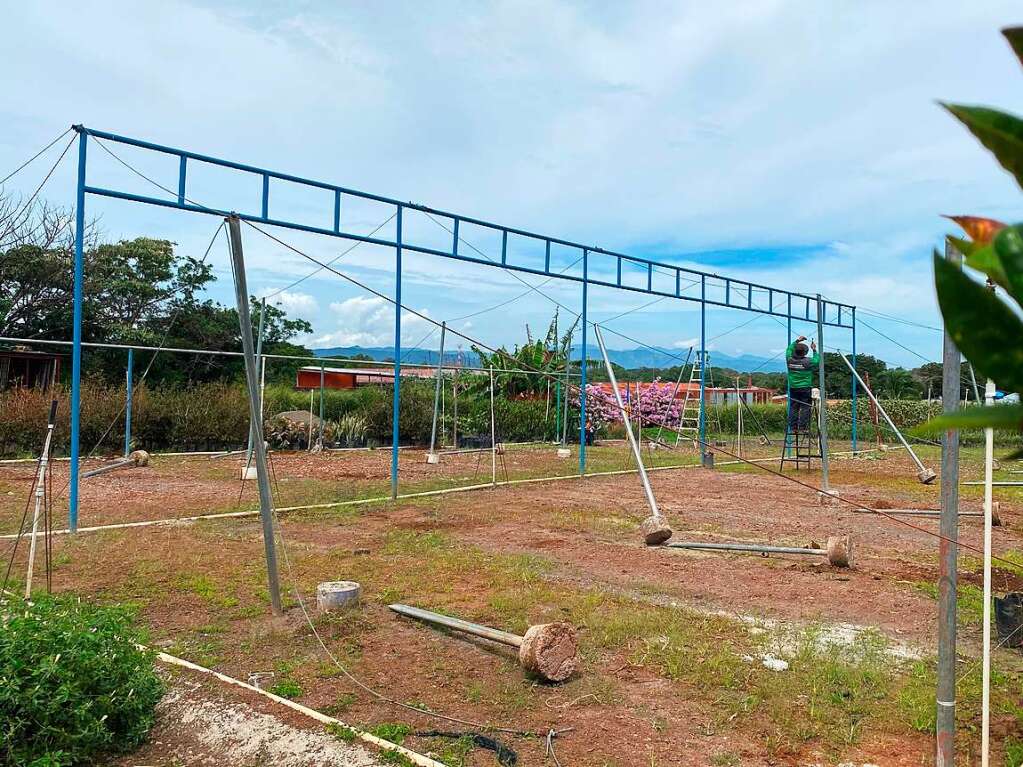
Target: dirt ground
[(671, 640)]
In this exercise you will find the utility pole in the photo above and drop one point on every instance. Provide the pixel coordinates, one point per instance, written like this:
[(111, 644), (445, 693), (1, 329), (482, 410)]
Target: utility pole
[(252, 379), (948, 551)]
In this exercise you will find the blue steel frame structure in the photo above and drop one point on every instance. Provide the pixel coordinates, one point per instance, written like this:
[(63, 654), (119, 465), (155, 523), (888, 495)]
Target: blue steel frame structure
[(737, 294)]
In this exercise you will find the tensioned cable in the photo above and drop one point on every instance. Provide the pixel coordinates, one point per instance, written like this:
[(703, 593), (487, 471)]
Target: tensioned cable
[(846, 501), (712, 447), (544, 373), (324, 265), (890, 318), (24, 208), (514, 298), (341, 255), (536, 288), (149, 366), (962, 378), (31, 159), (786, 477)]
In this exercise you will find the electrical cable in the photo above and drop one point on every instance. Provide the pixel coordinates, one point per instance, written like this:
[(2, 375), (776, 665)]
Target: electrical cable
[(31, 159)]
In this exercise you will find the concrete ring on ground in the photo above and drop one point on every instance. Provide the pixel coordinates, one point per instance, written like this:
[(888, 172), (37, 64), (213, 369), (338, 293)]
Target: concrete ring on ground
[(333, 595)]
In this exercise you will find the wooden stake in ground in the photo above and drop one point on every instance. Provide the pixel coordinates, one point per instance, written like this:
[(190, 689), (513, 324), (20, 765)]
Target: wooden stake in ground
[(547, 649)]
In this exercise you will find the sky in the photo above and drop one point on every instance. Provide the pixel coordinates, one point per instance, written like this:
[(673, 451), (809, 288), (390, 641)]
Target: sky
[(797, 144)]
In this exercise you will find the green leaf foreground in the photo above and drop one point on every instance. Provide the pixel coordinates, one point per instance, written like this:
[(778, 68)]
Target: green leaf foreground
[(1008, 245), (985, 329), (1000, 132), (1003, 417), (1015, 37)]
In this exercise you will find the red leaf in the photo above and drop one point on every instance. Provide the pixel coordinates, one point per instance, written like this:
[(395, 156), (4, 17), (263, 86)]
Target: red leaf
[(981, 230)]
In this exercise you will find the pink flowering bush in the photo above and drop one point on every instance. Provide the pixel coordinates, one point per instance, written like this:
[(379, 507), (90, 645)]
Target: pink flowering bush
[(652, 402)]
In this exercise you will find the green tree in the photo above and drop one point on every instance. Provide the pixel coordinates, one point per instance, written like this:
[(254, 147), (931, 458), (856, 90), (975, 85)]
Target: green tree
[(137, 291)]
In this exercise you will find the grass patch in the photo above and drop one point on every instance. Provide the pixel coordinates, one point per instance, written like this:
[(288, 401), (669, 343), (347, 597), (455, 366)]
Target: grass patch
[(287, 688), (969, 601)]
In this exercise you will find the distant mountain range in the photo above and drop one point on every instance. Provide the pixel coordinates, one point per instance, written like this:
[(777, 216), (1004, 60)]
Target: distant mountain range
[(627, 358)]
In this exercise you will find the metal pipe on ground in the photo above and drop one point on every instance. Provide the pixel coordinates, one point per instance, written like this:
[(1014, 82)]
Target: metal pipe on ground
[(547, 649), (996, 520), (135, 458), (838, 550)]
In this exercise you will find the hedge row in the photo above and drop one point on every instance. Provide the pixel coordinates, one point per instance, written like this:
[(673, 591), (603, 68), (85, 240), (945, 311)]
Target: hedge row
[(214, 416)]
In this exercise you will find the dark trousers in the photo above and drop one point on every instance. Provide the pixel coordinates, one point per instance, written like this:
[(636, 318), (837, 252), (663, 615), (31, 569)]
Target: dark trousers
[(800, 407)]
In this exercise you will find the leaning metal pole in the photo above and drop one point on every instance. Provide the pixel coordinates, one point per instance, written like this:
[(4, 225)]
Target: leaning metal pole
[(260, 363), (924, 474), (40, 493), (628, 426), (437, 388), (252, 379), (948, 551)]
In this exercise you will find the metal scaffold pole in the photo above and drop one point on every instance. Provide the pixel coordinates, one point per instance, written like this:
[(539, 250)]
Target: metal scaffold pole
[(252, 379), (438, 386), (396, 400), (823, 402), (948, 552), (128, 373), (582, 372), (76, 349)]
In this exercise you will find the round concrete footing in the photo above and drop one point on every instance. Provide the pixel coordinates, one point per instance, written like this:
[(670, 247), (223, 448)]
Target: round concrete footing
[(926, 476), (249, 472), (549, 651), (140, 457), (334, 595), (655, 531), (564, 452), (839, 551), (433, 458)]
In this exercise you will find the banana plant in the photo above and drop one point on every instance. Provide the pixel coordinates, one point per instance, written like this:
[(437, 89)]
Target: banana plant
[(984, 320)]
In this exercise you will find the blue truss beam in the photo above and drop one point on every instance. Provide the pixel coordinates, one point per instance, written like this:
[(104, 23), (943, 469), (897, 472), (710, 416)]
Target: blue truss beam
[(737, 294)]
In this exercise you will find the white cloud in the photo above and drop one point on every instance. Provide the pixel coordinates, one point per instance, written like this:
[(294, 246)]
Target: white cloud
[(369, 321), (296, 304), (686, 343)]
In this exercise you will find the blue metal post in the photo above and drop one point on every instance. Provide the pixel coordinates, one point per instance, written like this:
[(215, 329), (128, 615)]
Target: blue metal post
[(127, 401), (76, 349), (396, 399), (582, 372), (703, 369), (854, 436)]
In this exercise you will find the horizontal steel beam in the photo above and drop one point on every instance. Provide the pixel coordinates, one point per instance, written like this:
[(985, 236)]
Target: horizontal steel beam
[(179, 200)]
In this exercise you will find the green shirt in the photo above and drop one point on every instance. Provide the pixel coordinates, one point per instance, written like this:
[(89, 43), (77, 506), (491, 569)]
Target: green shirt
[(801, 370)]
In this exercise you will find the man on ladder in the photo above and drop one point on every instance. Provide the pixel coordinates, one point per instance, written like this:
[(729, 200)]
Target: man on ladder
[(801, 366), (801, 370)]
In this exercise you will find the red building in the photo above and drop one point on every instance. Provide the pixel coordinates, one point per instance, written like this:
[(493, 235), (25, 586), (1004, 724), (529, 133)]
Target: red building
[(352, 378)]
